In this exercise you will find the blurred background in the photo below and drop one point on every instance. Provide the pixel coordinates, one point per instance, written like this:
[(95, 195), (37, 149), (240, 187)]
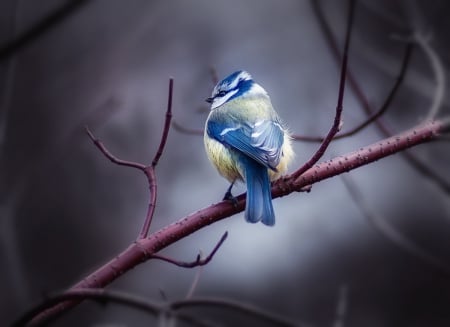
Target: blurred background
[(376, 256)]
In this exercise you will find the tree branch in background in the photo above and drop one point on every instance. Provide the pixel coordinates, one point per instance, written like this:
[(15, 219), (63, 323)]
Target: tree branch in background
[(374, 116), (40, 28), (192, 131), (412, 159), (171, 309), (105, 297)]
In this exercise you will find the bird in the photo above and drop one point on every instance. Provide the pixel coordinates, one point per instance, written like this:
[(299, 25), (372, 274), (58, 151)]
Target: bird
[(246, 141)]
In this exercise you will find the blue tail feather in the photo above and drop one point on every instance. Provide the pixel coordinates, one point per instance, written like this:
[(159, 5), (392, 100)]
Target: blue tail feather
[(259, 198)]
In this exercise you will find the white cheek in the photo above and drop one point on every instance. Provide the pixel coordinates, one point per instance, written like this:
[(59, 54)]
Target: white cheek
[(217, 102)]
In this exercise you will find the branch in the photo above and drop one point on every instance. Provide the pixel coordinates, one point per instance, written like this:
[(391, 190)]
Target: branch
[(102, 296), (341, 306), (332, 42), (180, 128), (150, 170), (143, 249), (165, 133), (372, 117), (109, 155), (198, 261), (421, 168), (236, 306), (439, 75), (40, 28), (337, 119)]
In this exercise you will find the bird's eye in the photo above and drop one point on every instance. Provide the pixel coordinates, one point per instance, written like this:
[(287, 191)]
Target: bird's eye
[(221, 93)]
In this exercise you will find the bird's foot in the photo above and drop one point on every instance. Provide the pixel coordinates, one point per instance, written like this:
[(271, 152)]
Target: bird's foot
[(230, 197)]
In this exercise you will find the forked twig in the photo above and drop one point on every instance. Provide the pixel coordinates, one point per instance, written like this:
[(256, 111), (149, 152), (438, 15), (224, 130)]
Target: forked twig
[(373, 116), (149, 171), (413, 160), (198, 262), (99, 144)]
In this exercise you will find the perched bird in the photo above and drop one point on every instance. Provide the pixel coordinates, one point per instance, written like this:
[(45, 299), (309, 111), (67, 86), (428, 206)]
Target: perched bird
[(246, 140)]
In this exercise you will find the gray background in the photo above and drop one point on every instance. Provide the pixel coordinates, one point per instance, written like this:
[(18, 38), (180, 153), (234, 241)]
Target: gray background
[(65, 209)]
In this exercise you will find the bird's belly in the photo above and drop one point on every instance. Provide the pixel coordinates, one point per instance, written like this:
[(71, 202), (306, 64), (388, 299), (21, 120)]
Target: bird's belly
[(224, 160)]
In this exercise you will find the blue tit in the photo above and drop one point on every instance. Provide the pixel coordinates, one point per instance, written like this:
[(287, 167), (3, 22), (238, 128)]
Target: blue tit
[(246, 141)]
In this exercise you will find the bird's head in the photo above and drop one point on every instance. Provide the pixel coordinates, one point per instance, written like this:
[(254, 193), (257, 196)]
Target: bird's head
[(238, 84)]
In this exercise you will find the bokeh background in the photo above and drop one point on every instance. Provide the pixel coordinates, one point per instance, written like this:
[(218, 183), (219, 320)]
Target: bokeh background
[(331, 260)]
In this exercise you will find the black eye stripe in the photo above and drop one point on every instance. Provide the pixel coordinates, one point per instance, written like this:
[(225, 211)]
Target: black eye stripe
[(225, 92)]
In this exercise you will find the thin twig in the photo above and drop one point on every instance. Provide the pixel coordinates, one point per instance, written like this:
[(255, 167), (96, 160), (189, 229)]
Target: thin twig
[(166, 125), (376, 115), (153, 194), (109, 155), (422, 168), (339, 107), (239, 307), (341, 306), (332, 42), (194, 283), (198, 262), (214, 75), (180, 128), (150, 170), (40, 28), (439, 74), (390, 97)]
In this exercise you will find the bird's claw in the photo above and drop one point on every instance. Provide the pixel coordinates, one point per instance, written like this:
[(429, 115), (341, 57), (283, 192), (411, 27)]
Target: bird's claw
[(230, 197)]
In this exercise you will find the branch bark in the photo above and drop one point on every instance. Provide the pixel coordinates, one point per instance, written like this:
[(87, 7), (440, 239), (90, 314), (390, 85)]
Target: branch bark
[(143, 249)]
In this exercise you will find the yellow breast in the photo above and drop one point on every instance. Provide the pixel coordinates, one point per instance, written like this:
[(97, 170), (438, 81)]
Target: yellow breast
[(222, 159)]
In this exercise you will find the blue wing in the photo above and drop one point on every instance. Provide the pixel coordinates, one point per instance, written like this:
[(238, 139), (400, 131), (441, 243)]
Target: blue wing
[(261, 141)]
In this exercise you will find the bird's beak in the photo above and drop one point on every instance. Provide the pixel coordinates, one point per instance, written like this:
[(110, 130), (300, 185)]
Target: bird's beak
[(209, 100)]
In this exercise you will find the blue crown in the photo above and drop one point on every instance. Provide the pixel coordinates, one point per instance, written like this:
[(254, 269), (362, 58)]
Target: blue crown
[(239, 83)]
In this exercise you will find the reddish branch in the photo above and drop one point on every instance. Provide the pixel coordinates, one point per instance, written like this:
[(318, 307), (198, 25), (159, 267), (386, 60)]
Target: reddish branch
[(149, 170), (372, 116), (337, 119), (420, 167), (171, 308), (199, 261), (143, 249)]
